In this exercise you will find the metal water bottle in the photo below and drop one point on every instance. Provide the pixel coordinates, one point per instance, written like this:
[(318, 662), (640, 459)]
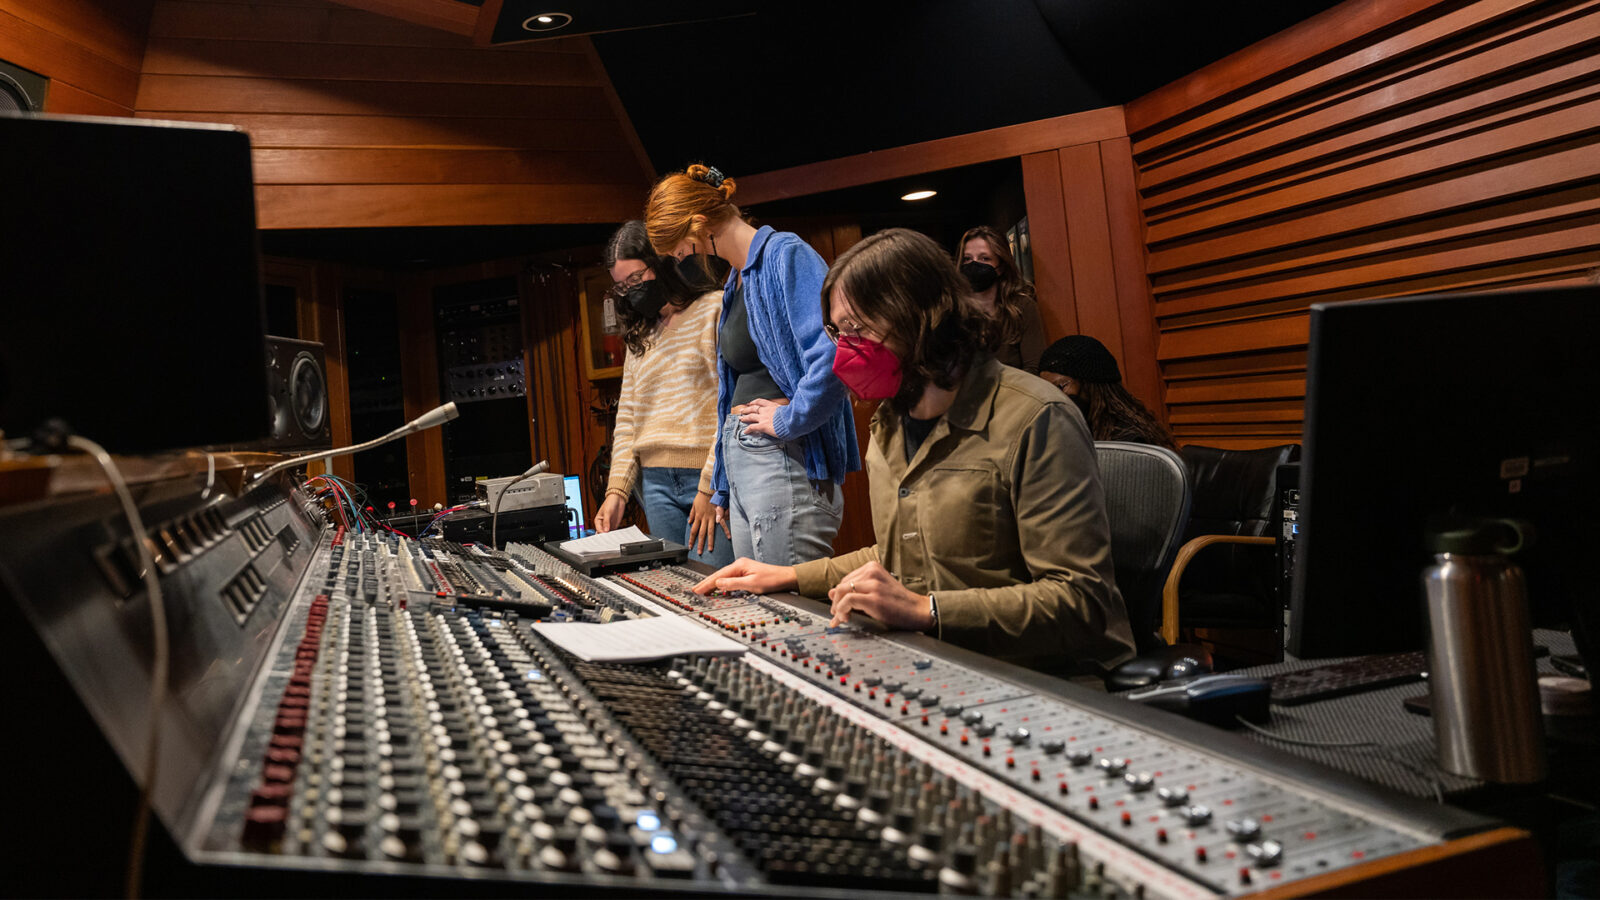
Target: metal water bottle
[(1485, 694)]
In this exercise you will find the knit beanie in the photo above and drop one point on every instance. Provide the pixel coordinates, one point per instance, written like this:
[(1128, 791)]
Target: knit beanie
[(1082, 357)]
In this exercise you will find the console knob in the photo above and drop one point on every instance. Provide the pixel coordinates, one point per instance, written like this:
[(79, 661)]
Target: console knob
[(1244, 830), (1266, 854)]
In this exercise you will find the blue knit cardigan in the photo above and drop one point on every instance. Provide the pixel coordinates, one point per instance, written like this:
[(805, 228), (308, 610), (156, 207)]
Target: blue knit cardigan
[(783, 293)]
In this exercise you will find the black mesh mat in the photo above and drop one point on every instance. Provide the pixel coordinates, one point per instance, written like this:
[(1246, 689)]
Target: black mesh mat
[(1400, 751)]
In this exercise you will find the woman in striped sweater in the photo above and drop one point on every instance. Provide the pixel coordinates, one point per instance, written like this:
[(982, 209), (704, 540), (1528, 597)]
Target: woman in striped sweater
[(667, 414)]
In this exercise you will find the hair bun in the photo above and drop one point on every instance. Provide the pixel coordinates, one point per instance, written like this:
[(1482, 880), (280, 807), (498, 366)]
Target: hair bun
[(712, 177)]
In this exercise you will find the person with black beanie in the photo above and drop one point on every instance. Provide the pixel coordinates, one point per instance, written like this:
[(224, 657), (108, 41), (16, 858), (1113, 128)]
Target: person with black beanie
[(1083, 369)]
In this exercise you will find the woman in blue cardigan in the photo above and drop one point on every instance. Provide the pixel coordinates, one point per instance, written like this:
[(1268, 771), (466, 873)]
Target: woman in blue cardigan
[(788, 436)]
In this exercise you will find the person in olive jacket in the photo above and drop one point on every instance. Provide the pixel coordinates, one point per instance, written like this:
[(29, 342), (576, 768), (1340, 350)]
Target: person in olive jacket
[(986, 500)]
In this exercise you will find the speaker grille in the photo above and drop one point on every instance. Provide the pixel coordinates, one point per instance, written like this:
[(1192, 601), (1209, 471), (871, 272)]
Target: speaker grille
[(21, 90)]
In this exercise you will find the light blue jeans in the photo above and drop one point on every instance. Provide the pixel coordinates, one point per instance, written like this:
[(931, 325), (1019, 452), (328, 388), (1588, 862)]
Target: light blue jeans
[(668, 497), (778, 515)]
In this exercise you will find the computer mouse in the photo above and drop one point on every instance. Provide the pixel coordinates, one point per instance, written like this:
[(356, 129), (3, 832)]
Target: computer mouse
[(1214, 699)]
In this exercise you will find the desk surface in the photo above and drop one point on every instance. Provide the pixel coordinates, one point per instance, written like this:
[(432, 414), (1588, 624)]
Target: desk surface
[(1399, 745)]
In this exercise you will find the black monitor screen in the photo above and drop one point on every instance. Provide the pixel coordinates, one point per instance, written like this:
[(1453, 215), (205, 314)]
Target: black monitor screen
[(129, 286), (1439, 405)]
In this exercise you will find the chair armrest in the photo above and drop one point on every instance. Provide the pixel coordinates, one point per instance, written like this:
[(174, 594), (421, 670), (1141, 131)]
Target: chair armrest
[(1169, 592)]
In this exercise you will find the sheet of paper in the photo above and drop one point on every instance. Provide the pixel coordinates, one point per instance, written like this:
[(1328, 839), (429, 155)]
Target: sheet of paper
[(636, 640), (605, 544)]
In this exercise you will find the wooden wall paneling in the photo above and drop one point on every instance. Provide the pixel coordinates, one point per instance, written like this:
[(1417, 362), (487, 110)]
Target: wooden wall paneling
[(1282, 221), (1238, 88), (351, 97), (1516, 216), (391, 205), (311, 59), (929, 156), (90, 51), (419, 377), (1406, 149), (1346, 23), (400, 165), (317, 22), (1052, 251), (1384, 119), (1094, 283), (1135, 304), (401, 131), (445, 15), (360, 120)]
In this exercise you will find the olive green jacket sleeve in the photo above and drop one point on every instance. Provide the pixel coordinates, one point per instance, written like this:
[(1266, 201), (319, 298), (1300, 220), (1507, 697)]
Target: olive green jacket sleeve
[(820, 575), (1071, 612)]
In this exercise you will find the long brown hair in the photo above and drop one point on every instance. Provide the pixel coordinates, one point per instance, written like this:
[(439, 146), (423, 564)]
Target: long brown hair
[(1010, 287), (1113, 412), (904, 283), (678, 199)]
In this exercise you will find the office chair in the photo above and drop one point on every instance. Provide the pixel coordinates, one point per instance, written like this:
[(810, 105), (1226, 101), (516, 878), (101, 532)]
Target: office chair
[(1147, 503), (1232, 586)]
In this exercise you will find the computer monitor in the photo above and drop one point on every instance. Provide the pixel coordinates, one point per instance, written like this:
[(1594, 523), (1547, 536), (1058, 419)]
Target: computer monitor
[(572, 484), (130, 294), (1471, 404)]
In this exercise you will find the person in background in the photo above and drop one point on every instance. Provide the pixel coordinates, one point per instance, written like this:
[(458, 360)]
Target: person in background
[(990, 521), (986, 262), (787, 433), (666, 414), (1083, 369)]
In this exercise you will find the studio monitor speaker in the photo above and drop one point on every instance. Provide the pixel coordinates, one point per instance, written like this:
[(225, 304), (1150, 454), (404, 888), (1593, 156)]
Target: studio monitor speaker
[(297, 391), (20, 89)]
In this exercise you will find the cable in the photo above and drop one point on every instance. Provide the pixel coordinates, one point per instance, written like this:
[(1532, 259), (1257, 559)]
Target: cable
[(542, 465), (160, 657)]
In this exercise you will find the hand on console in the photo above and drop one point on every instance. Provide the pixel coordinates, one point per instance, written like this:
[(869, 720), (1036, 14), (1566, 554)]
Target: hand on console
[(745, 574), (871, 589)]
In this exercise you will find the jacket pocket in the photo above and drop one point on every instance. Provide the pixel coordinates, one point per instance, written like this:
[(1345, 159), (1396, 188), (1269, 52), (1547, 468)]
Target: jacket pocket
[(957, 510)]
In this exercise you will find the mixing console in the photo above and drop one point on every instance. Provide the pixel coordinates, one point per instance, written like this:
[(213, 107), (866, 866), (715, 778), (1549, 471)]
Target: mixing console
[(405, 718)]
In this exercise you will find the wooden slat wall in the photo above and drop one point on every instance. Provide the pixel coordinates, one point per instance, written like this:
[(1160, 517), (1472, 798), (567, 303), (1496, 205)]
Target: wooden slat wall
[(1379, 149), (89, 50), (360, 120), (1088, 254)]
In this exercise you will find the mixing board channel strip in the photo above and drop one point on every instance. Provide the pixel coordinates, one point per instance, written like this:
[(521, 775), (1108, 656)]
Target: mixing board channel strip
[(1032, 744)]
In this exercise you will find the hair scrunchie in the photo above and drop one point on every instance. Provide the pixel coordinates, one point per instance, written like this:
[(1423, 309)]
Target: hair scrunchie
[(713, 177)]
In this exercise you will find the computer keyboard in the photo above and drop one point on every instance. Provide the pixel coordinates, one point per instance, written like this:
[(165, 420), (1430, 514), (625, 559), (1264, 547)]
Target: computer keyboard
[(1348, 677)]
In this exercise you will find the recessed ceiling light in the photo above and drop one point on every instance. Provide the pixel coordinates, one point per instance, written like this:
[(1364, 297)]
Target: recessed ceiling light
[(550, 21), (919, 195)]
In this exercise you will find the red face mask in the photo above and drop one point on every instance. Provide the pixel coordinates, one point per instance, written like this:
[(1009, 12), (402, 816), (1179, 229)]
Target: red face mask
[(869, 369)]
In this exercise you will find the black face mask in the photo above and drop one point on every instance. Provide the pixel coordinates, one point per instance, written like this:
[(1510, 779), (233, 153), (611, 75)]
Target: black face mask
[(647, 298), (695, 271), (980, 275)]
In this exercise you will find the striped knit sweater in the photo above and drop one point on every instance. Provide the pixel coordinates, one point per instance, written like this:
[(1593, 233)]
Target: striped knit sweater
[(667, 414)]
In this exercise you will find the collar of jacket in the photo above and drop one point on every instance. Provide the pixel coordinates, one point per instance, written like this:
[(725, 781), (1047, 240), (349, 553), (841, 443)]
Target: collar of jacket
[(757, 244), (971, 410)]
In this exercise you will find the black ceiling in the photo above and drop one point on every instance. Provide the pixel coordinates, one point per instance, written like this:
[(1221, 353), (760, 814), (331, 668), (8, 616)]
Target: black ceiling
[(799, 83)]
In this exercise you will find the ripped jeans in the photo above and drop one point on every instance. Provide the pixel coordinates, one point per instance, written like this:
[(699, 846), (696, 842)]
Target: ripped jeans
[(777, 514)]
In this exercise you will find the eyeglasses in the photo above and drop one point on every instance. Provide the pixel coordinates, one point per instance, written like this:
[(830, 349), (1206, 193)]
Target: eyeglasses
[(621, 288), (852, 338)]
